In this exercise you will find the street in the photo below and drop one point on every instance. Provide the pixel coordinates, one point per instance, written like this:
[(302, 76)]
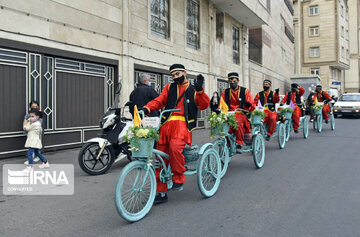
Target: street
[(310, 188)]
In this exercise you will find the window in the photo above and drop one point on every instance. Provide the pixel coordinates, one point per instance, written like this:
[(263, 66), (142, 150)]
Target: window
[(342, 10), (343, 52), (160, 18), (315, 70), (342, 31), (314, 31), (236, 47), (347, 54), (283, 55), (282, 24), (347, 34), (314, 52), (219, 25), (192, 24), (314, 10)]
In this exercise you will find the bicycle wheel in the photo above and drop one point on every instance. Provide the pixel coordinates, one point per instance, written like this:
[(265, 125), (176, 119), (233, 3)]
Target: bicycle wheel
[(319, 121), (88, 162), (209, 173), (258, 150), (315, 123), (287, 129), (332, 121), (281, 136), (135, 191), (305, 127), (221, 147)]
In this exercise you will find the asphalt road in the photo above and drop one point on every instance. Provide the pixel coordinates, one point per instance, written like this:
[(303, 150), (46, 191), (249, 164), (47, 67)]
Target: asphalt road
[(310, 188)]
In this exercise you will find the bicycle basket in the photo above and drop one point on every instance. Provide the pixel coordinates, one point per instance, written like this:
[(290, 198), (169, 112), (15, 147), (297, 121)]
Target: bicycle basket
[(220, 130), (256, 119), (142, 147)]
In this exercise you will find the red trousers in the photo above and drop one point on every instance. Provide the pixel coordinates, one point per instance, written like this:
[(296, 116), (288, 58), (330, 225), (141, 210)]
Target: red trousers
[(173, 137), (270, 119), (296, 118), (325, 112), (243, 127)]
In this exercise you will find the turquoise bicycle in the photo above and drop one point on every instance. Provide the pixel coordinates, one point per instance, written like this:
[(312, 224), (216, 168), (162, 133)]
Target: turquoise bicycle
[(303, 125), (319, 119), (280, 131), (226, 147), (135, 189)]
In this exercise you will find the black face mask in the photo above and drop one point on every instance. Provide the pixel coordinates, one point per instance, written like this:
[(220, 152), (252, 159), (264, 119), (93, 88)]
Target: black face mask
[(266, 88), (318, 91), (293, 89), (179, 80), (233, 86)]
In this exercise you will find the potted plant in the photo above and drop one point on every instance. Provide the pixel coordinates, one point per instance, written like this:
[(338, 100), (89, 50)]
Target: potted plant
[(220, 123), (317, 109), (141, 140)]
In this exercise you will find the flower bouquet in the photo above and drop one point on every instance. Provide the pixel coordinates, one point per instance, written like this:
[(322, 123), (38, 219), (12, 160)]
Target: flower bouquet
[(317, 109), (220, 123), (141, 140), (257, 116)]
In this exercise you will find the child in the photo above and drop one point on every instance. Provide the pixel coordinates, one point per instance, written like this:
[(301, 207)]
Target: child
[(33, 141), (32, 105)]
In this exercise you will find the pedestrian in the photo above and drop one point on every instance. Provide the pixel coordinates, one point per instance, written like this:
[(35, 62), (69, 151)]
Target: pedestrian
[(214, 102), (33, 141), (238, 97), (294, 96), (32, 105), (267, 96), (310, 103), (143, 94), (176, 128)]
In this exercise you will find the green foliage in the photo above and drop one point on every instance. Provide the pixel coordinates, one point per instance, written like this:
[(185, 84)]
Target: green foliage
[(258, 113), (286, 110), (217, 122), (317, 107)]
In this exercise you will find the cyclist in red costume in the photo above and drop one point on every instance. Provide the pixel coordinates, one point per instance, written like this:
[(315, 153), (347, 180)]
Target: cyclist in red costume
[(176, 128)]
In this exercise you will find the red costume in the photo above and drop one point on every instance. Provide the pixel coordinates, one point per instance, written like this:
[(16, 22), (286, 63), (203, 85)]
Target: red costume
[(321, 97), (271, 115), (174, 133), (296, 99), (242, 121)]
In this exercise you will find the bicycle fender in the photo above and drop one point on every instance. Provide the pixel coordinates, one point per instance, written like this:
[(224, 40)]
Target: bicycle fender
[(204, 147)]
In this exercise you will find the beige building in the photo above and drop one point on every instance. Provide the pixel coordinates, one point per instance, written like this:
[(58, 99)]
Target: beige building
[(70, 55), (322, 40), (352, 76), (271, 49)]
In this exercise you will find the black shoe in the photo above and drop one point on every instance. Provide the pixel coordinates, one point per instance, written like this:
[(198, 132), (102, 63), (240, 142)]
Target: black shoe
[(296, 131), (267, 138), (159, 199), (238, 149), (326, 121), (177, 186)]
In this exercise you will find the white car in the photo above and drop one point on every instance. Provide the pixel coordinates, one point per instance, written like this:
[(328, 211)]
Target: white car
[(348, 104)]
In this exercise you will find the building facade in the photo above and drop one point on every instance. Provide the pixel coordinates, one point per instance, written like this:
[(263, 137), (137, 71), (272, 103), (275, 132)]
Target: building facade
[(70, 56), (352, 76), (322, 40)]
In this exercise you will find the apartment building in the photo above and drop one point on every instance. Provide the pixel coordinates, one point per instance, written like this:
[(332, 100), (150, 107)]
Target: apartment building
[(70, 56), (352, 76), (322, 40), (271, 47)]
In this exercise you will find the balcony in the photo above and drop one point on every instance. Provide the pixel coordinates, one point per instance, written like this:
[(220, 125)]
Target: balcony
[(248, 12)]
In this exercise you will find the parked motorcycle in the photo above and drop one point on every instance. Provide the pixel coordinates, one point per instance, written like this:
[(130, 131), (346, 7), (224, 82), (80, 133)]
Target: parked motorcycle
[(99, 153)]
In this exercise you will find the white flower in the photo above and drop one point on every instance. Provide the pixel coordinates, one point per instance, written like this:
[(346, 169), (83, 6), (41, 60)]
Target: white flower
[(219, 119), (225, 118)]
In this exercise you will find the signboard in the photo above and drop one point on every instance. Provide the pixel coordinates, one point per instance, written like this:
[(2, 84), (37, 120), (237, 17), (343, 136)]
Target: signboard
[(336, 83), (151, 122)]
